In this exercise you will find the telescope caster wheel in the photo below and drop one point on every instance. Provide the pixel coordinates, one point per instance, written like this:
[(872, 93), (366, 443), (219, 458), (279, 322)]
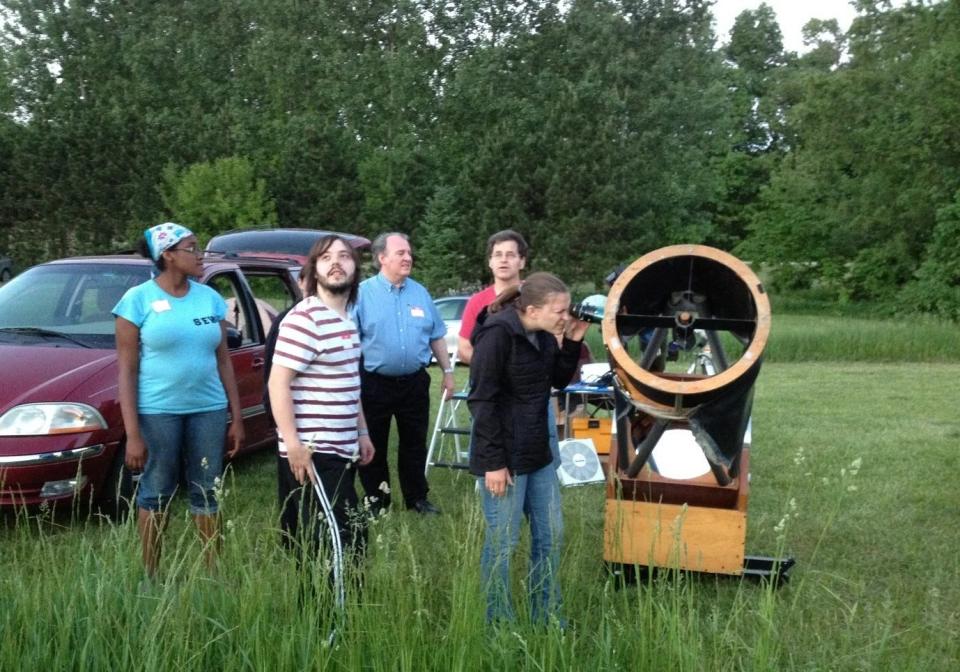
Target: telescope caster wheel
[(625, 575)]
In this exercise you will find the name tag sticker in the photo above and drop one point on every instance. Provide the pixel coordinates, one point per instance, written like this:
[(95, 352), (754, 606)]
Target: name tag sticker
[(160, 306), (416, 312)]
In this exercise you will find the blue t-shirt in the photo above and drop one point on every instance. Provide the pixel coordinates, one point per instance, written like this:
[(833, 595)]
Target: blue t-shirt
[(178, 347), (396, 325)]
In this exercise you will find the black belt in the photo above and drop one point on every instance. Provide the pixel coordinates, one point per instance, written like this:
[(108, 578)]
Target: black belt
[(396, 379)]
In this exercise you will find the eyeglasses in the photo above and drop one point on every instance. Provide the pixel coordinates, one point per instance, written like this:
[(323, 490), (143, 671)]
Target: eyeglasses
[(193, 249)]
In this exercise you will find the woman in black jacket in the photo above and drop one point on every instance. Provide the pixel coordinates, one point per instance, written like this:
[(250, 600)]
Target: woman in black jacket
[(516, 360)]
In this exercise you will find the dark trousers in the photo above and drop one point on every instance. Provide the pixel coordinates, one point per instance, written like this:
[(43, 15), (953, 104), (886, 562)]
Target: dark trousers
[(406, 398), (328, 515)]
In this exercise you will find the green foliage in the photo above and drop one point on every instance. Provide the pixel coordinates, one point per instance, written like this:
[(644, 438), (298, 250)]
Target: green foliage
[(756, 47), (394, 187), (826, 43), (210, 198), (757, 141), (440, 261), (878, 272), (312, 172), (936, 288), (874, 155), (600, 129), (8, 137), (592, 135)]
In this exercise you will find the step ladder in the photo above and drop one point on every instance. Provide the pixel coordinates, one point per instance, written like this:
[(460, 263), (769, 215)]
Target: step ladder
[(450, 442)]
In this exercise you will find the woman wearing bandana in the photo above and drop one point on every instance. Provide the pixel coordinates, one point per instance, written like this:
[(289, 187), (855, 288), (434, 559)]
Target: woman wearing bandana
[(176, 382)]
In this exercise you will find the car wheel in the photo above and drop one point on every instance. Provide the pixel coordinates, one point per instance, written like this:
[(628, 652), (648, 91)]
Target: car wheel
[(116, 495), (5, 276)]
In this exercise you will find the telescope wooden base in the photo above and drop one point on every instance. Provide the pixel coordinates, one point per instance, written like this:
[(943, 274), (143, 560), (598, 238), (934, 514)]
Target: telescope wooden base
[(707, 536), (693, 538)]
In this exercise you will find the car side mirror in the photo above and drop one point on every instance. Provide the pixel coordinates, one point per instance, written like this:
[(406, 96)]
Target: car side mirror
[(234, 338)]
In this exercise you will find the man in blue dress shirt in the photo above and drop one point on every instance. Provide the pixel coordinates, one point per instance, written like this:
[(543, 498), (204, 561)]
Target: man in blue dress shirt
[(399, 330)]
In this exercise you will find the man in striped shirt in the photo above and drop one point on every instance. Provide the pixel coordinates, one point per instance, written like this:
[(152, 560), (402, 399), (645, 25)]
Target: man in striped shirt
[(315, 395)]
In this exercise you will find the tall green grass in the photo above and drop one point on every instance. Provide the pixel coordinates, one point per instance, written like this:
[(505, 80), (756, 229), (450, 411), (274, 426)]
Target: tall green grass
[(852, 471), (826, 337)]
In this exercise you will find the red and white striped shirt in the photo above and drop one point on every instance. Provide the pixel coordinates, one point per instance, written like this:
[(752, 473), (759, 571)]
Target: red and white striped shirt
[(324, 349)]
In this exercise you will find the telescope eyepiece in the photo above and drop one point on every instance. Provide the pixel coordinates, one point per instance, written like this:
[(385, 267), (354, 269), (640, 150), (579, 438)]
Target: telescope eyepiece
[(590, 309)]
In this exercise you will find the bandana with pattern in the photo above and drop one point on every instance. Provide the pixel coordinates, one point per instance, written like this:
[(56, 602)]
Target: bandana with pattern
[(164, 236)]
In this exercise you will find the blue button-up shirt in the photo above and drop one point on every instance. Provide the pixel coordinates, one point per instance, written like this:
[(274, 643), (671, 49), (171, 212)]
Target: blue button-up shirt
[(396, 325)]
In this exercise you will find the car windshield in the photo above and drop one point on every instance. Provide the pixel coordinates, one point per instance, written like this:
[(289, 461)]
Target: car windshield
[(66, 303)]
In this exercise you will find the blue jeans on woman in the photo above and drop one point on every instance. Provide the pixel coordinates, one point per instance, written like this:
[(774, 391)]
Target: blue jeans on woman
[(191, 443), (552, 432), (537, 496)]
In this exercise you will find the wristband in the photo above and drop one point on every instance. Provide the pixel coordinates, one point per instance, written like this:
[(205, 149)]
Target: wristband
[(448, 370), (363, 432)]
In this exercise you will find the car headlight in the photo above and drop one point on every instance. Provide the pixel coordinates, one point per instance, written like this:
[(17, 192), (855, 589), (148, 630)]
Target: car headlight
[(43, 419)]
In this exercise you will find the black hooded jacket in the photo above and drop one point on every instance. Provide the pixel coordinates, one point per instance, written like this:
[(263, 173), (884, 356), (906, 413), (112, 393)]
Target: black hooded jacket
[(510, 381)]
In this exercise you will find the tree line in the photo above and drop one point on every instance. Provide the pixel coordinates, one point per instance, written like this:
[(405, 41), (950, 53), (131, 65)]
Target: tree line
[(601, 129)]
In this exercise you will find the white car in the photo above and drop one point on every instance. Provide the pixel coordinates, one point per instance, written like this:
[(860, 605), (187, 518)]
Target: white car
[(451, 311)]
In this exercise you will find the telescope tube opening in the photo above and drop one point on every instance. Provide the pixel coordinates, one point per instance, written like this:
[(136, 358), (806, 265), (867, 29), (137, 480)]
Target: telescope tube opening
[(685, 328)]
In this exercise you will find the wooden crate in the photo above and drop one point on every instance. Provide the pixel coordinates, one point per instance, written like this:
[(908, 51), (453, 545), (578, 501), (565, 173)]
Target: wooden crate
[(647, 522), (669, 535), (598, 429)]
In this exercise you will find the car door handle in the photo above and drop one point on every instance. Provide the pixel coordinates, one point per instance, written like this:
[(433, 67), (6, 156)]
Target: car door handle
[(257, 362)]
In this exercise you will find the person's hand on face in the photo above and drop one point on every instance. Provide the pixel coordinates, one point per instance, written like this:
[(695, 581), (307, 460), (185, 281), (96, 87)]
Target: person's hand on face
[(576, 329)]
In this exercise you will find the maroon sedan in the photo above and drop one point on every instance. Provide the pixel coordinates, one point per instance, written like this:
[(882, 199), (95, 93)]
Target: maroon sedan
[(61, 434)]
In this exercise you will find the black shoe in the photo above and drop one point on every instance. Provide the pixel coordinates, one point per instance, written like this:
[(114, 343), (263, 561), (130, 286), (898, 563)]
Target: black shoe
[(424, 507)]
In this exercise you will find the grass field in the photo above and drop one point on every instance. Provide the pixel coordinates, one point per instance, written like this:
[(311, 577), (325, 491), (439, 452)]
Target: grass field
[(852, 474), (844, 338)]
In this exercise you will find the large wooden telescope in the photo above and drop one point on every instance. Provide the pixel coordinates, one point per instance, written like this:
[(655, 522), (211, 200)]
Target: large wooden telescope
[(685, 329)]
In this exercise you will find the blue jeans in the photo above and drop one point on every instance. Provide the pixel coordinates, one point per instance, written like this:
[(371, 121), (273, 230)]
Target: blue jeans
[(552, 432), (194, 440), (537, 496)]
